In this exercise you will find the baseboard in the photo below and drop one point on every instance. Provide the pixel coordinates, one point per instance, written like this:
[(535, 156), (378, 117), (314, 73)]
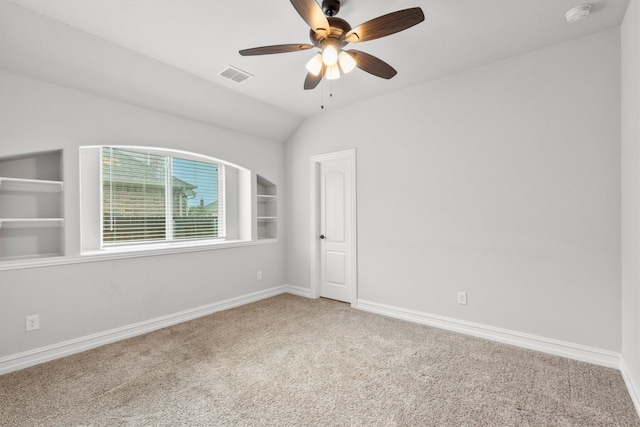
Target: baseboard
[(44, 354), (547, 345), (597, 356), (632, 387), (297, 290)]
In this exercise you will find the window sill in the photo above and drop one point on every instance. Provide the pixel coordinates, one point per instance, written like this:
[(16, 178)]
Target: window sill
[(127, 252)]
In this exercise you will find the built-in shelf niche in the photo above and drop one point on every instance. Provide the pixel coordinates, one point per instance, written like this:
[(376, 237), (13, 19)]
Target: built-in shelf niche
[(31, 206), (267, 204)]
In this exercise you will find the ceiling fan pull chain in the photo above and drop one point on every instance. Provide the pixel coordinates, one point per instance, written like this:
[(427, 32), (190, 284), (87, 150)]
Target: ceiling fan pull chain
[(322, 105)]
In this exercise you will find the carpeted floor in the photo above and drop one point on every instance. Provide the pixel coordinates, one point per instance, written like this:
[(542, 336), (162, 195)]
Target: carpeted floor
[(291, 361)]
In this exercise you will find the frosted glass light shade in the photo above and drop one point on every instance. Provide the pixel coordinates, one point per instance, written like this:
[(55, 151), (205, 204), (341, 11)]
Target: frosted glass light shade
[(347, 63), (330, 55), (333, 72), (314, 66)]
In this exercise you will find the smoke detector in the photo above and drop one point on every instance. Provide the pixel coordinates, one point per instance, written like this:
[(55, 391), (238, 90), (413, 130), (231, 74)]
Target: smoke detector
[(578, 13)]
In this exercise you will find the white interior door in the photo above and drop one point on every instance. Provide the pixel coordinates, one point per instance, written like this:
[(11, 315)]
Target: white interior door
[(336, 226)]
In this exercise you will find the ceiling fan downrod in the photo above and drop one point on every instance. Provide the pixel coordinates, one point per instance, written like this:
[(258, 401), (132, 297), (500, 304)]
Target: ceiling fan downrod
[(331, 7)]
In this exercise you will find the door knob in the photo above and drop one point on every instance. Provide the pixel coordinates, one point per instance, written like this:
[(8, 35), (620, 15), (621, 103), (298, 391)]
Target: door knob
[(322, 236)]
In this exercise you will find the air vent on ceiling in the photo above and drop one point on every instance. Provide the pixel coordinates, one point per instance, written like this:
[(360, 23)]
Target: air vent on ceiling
[(235, 74)]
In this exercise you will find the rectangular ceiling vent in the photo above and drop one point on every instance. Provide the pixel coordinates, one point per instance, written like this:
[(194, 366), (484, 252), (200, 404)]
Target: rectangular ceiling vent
[(235, 74)]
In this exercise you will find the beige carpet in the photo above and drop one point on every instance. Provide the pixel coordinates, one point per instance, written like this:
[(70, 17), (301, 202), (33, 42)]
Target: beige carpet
[(291, 361)]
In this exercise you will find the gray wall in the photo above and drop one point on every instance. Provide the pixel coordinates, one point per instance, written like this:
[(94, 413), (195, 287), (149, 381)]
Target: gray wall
[(77, 300), (502, 181), (630, 195)]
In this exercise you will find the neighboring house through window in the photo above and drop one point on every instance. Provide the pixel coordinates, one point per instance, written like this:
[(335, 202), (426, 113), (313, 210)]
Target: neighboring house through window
[(136, 188), (142, 196)]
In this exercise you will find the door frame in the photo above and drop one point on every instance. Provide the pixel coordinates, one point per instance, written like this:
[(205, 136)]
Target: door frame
[(349, 155)]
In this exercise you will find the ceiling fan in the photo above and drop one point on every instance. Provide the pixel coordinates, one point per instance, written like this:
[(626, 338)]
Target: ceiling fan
[(331, 34)]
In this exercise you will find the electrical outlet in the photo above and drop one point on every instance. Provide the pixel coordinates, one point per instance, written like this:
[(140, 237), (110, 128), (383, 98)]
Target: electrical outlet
[(33, 322), (259, 275), (462, 298)]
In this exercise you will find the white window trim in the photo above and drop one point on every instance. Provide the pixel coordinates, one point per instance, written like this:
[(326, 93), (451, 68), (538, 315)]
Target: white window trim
[(91, 211), (97, 256)]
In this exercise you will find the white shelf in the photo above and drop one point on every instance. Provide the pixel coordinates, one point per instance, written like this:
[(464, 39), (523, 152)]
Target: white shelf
[(32, 185), (26, 260), (266, 209), (31, 222), (31, 206)]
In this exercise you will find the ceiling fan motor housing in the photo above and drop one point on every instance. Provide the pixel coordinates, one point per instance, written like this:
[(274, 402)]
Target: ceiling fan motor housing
[(339, 27)]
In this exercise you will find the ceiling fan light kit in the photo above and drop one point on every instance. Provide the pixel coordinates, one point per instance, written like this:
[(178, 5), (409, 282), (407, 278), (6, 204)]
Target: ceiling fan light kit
[(329, 55), (333, 72), (331, 34), (347, 63), (314, 66)]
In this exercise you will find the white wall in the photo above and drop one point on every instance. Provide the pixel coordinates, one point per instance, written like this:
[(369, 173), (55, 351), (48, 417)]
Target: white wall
[(77, 300), (630, 196), (502, 181), (40, 47)]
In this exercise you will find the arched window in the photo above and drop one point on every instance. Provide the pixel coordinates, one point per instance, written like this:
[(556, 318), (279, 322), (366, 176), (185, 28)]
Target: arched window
[(148, 196)]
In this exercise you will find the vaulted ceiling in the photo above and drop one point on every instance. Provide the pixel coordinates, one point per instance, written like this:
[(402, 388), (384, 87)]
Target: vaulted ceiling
[(167, 54)]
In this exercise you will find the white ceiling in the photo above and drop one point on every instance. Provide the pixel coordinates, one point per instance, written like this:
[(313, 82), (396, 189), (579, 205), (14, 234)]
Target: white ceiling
[(201, 37)]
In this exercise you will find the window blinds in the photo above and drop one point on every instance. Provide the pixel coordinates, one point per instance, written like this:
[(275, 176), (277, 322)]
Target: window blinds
[(195, 201), (149, 198)]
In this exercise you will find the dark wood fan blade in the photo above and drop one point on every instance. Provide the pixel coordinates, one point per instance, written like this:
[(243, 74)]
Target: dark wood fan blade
[(311, 81), (385, 25), (277, 48), (372, 65), (312, 14)]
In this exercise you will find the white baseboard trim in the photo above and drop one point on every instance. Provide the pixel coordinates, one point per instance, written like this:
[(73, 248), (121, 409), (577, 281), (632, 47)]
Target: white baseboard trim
[(44, 354), (583, 353), (631, 386), (297, 290), (574, 351)]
